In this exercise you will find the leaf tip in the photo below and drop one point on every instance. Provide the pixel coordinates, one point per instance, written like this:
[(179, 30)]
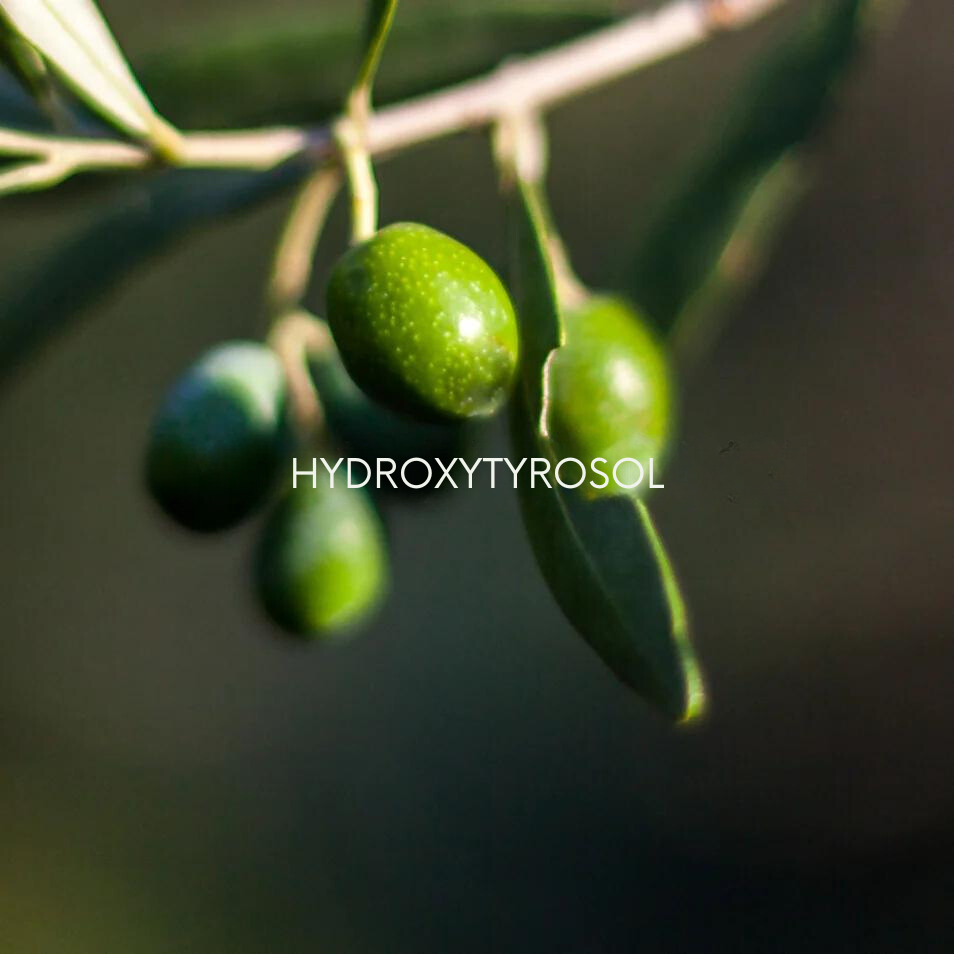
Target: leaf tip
[(697, 699)]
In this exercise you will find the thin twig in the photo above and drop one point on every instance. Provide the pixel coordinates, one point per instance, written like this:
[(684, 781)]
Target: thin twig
[(34, 175), (522, 154), (545, 80), (351, 138), (48, 160), (296, 336), (532, 84), (295, 253)]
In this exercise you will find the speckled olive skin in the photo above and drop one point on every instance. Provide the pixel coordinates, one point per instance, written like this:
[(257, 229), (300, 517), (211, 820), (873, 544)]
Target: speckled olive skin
[(217, 440), (423, 324), (610, 390), (322, 562)]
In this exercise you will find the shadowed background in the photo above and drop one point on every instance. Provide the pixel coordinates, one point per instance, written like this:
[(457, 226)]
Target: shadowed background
[(465, 776)]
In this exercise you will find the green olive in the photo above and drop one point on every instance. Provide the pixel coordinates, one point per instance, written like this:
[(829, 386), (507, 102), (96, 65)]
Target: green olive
[(322, 561), (423, 324), (216, 442), (370, 431), (610, 391)]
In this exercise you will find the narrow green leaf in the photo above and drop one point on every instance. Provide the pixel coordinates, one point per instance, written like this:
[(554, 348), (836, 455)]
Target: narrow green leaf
[(296, 69), (380, 17), (602, 558), (712, 230), (23, 62), (532, 277), (144, 220), (745, 254), (73, 37)]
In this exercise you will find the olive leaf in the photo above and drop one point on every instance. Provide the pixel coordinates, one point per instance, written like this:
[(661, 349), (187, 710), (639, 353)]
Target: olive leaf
[(602, 558), (380, 16), (144, 219), (264, 70), (72, 36), (18, 108), (23, 62), (712, 231)]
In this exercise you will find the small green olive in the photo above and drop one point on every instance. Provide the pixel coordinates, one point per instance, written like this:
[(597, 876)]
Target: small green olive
[(610, 390), (322, 561), (216, 442), (371, 431), (423, 324)]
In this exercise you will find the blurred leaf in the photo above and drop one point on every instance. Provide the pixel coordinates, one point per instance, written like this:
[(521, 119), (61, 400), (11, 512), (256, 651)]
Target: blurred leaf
[(146, 219), (380, 17), (299, 69), (73, 37), (23, 62), (17, 109), (602, 558), (713, 230)]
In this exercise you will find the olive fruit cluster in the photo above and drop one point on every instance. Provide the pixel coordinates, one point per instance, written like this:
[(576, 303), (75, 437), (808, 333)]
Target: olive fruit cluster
[(425, 337), (216, 448), (610, 392), (427, 330)]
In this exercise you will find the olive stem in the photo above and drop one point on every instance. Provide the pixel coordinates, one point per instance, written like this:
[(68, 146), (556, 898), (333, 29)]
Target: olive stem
[(532, 84), (295, 252), (351, 135), (522, 154), (571, 292), (294, 337)]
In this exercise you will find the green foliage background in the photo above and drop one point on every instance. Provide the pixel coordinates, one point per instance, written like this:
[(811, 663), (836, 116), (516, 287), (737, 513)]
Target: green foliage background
[(467, 777)]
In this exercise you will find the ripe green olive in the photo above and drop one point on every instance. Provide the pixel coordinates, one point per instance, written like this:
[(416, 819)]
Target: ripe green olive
[(322, 561), (423, 324), (610, 392), (216, 442)]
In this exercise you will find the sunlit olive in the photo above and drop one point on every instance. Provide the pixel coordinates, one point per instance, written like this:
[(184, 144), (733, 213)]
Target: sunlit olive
[(423, 324)]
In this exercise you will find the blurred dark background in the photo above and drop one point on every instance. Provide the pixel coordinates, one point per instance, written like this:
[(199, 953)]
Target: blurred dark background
[(466, 776)]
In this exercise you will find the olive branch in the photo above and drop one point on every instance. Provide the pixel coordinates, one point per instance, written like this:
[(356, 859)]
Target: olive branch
[(601, 554), (532, 84)]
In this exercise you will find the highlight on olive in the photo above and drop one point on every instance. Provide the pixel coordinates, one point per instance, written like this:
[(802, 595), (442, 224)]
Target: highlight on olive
[(423, 324)]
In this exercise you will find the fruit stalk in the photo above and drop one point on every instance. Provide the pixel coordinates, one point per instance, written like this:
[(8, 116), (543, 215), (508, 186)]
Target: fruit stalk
[(295, 338), (351, 134), (295, 252), (521, 153)]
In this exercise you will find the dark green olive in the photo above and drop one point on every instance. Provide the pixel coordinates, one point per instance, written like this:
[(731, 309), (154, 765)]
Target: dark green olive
[(322, 561), (216, 442), (610, 394), (423, 324), (369, 430)]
